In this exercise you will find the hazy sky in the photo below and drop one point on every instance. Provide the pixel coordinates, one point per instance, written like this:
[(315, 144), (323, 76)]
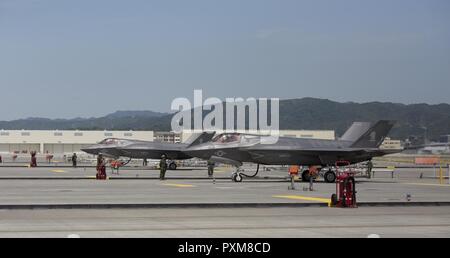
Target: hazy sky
[(88, 58)]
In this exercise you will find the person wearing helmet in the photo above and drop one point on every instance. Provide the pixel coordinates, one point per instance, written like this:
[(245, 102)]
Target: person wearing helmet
[(74, 160), (101, 167), (163, 167), (211, 166)]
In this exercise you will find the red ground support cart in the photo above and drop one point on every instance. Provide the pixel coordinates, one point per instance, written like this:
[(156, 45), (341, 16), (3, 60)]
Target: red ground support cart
[(345, 196), (116, 165)]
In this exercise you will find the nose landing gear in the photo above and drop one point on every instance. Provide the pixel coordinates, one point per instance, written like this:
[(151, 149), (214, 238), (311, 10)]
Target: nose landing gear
[(238, 176)]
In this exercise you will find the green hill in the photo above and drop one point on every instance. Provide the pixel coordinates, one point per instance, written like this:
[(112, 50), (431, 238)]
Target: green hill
[(306, 113)]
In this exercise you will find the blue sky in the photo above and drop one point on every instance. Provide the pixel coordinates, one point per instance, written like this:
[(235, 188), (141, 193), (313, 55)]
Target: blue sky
[(64, 59)]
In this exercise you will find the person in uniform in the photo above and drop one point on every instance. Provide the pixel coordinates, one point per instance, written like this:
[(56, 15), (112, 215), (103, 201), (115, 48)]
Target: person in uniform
[(101, 168), (144, 163), (74, 160), (369, 169), (313, 173), (163, 167), (33, 159), (211, 166)]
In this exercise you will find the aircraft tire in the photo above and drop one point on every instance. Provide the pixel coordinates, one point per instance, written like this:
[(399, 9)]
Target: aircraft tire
[(330, 177), (236, 178), (173, 166), (305, 176)]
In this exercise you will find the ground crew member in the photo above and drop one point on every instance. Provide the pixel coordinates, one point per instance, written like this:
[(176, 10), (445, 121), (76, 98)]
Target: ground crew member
[(74, 160), (33, 163), (33, 160), (1, 159), (144, 163), (312, 175), (369, 169), (163, 167), (211, 166), (293, 172), (101, 167)]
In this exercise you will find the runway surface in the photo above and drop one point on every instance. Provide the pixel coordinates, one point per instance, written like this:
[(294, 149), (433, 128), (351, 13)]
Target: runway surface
[(66, 186), (233, 223)]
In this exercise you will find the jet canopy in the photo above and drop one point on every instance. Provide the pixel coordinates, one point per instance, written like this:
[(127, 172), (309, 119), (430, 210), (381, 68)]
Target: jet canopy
[(114, 141), (229, 138)]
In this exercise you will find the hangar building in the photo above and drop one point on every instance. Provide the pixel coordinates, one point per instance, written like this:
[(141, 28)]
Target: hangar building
[(24, 141)]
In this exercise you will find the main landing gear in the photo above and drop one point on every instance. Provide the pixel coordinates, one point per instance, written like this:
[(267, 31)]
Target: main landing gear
[(329, 176), (173, 165)]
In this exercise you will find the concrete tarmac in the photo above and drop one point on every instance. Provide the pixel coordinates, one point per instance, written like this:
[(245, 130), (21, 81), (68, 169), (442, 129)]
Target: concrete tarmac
[(232, 223), (191, 186)]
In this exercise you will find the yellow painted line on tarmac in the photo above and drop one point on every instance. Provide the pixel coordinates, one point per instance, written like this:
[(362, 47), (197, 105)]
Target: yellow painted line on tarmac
[(425, 184), (221, 170), (179, 185), (304, 198), (58, 171)]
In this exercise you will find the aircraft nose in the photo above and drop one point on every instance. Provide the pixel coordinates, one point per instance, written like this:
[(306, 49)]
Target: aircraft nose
[(90, 150)]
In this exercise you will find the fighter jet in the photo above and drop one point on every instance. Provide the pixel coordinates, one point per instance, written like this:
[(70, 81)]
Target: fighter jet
[(134, 149), (108, 147), (360, 143)]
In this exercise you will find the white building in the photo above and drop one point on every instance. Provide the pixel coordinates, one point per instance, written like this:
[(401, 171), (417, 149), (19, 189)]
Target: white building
[(390, 144), (169, 137), (43, 141)]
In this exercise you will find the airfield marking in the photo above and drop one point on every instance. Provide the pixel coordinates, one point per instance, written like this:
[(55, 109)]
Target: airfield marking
[(425, 184), (221, 170), (179, 185), (58, 171), (304, 198)]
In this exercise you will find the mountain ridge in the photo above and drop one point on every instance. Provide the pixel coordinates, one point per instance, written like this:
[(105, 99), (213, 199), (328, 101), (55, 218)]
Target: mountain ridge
[(305, 113)]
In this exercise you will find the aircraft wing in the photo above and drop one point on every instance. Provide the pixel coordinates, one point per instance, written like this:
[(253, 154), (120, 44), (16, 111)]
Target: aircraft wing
[(293, 155), (155, 151)]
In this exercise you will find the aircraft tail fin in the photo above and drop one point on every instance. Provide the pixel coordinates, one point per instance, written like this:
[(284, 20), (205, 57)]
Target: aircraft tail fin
[(200, 138), (356, 130), (375, 135)]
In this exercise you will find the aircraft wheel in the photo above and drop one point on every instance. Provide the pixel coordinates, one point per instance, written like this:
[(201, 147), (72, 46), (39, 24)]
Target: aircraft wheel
[(305, 176), (330, 177), (173, 166), (237, 178)]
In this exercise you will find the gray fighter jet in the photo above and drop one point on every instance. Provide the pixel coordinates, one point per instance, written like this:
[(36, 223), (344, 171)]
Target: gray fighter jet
[(134, 149), (360, 143)]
